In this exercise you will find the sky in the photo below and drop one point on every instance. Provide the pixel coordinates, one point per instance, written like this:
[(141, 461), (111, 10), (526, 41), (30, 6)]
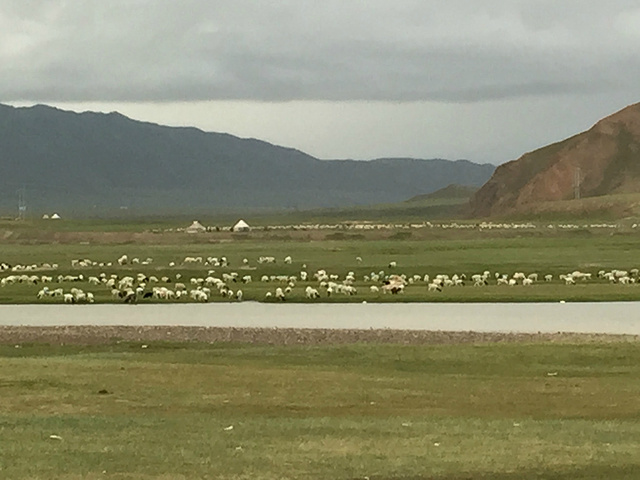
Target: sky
[(484, 81)]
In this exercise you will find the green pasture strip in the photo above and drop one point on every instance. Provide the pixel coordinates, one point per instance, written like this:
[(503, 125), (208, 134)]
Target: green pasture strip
[(450, 255), (554, 292), (499, 411), (544, 255)]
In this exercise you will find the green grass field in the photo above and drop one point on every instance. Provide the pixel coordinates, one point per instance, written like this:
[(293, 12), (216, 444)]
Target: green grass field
[(463, 252), (498, 411), (491, 411)]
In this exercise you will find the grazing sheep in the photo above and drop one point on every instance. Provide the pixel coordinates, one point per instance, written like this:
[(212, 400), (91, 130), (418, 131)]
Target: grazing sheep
[(43, 293), (199, 296), (311, 292), (393, 288)]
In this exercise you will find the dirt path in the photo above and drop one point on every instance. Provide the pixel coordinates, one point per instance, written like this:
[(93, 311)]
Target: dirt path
[(94, 335)]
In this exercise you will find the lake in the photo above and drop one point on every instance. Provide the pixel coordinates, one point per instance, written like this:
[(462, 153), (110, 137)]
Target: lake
[(614, 318)]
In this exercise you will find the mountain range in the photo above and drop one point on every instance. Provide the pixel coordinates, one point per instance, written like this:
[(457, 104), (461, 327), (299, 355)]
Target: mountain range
[(91, 163)]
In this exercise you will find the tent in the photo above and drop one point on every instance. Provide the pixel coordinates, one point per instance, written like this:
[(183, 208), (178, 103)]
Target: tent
[(45, 217), (241, 226), (55, 216), (195, 227)]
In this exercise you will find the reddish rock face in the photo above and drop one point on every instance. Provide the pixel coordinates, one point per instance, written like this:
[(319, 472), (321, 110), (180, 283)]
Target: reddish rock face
[(606, 158)]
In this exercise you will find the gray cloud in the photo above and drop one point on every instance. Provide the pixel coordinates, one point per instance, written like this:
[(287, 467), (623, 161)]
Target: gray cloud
[(335, 50)]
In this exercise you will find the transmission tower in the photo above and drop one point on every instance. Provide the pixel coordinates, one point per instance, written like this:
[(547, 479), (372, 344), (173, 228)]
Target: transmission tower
[(22, 203), (577, 178)]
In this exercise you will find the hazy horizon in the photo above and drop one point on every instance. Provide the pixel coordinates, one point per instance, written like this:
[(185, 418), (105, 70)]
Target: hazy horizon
[(422, 79)]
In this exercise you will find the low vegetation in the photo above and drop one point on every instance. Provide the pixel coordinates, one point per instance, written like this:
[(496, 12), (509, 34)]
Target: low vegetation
[(419, 256), (170, 410), (143, 408)]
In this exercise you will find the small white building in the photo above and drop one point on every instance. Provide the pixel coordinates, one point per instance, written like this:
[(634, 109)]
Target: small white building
[(241, 226), (195, 227)]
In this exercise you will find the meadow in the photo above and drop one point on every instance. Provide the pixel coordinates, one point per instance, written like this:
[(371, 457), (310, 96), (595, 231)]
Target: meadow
[(225, 411), (415, 252), (565, 409)]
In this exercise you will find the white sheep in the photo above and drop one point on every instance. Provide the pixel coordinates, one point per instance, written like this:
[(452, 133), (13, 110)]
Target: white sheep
[(311, 292)]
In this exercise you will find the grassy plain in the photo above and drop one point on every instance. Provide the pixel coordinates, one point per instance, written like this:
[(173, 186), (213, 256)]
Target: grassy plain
[(421, 251), (481, 411), (486, 411)]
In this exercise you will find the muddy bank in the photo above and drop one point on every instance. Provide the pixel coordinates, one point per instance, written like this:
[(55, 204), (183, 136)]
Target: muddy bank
[(95, 335)]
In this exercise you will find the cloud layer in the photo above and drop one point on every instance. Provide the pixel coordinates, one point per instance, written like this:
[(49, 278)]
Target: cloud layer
[(334, 50)]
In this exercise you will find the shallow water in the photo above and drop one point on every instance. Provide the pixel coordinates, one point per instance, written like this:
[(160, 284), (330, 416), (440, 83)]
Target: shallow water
[(617, 318)]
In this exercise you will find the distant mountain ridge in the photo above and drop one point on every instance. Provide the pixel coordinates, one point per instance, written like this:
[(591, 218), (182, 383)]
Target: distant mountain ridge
[(93, 162), (450, 192), (604, 160)]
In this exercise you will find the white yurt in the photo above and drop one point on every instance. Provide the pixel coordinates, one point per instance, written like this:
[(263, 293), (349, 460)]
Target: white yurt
[(55, 216), (241, 226), (195, 227)]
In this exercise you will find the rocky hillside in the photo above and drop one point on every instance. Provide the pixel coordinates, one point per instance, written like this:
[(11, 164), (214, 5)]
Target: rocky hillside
[(92, 163), (604, 160)]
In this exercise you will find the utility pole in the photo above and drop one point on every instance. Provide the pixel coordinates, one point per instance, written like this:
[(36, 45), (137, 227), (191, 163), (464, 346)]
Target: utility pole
[(22, 203), (576, 183)]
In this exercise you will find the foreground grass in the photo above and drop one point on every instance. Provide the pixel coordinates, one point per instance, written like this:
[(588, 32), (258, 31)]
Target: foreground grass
[(499, 411)]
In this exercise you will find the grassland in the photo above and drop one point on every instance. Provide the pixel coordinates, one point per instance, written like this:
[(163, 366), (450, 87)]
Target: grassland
[(144, 408), (224, 411), (416, 252)]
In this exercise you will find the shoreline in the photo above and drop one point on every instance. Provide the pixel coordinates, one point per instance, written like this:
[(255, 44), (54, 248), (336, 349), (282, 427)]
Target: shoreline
[(104, 335)]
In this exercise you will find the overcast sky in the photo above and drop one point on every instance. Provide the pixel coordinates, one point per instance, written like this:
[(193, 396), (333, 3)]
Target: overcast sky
[(483, 80)]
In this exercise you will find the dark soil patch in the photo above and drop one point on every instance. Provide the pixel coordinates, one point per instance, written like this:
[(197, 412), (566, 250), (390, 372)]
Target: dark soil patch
[(96, 335)]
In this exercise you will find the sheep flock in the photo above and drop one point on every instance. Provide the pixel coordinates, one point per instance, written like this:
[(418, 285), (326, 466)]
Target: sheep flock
[(205, 279)]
